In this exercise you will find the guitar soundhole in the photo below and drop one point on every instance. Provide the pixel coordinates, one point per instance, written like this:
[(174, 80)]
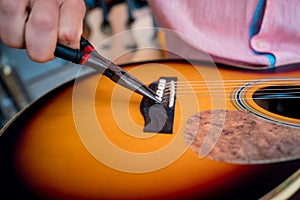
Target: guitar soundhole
[(281, 100)]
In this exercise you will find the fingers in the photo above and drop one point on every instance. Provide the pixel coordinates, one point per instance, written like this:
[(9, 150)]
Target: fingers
[(39, 24), (13, 15), (41, 29), (72, 13)]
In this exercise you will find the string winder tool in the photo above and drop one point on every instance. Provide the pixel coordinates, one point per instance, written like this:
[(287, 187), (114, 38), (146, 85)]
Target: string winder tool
[(88, 56)]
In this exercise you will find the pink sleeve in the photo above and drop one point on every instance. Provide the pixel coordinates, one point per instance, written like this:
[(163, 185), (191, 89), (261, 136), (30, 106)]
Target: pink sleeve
[(280, 31), (222, 29)]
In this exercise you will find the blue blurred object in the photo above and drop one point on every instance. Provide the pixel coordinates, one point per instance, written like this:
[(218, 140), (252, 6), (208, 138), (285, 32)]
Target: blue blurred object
[(90, 3)]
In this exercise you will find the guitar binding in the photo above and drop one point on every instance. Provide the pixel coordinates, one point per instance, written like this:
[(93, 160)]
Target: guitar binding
[(159, 117)]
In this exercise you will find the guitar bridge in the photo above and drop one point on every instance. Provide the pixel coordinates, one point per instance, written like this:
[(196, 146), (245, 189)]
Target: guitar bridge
[(159, 117)]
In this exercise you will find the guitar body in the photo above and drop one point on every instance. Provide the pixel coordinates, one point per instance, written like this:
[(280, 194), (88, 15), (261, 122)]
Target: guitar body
[(86, 140)]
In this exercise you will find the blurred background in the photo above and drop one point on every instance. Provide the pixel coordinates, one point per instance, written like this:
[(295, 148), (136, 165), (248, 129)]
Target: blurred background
[(119, 29)]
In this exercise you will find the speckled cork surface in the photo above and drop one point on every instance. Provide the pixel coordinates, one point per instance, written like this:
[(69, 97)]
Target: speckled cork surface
[(240, 137)]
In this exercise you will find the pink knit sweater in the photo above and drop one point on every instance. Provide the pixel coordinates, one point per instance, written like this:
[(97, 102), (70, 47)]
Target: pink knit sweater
[(257, 32)]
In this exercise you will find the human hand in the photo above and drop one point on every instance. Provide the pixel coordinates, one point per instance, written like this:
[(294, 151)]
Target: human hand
[(38, 25)]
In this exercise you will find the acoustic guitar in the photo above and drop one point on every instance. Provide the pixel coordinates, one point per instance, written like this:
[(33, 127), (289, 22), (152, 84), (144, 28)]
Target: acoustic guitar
[(219, 132)]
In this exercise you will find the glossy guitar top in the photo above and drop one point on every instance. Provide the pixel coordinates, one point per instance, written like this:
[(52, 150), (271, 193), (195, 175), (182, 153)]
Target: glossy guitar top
[(86, 139)]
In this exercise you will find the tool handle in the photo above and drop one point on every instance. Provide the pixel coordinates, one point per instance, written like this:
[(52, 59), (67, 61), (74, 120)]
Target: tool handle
[(85, 45), (67, 53)]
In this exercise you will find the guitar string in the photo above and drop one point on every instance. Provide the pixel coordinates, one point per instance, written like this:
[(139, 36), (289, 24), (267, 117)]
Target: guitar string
[(198, 88), (265, 87), (261, 91), (219, 97), (234, 82), (216, 85), (241, 81), (293, 91), (221, 88)]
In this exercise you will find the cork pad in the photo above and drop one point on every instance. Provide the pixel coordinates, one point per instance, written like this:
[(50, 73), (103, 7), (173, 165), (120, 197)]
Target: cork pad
[(240, 137)]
